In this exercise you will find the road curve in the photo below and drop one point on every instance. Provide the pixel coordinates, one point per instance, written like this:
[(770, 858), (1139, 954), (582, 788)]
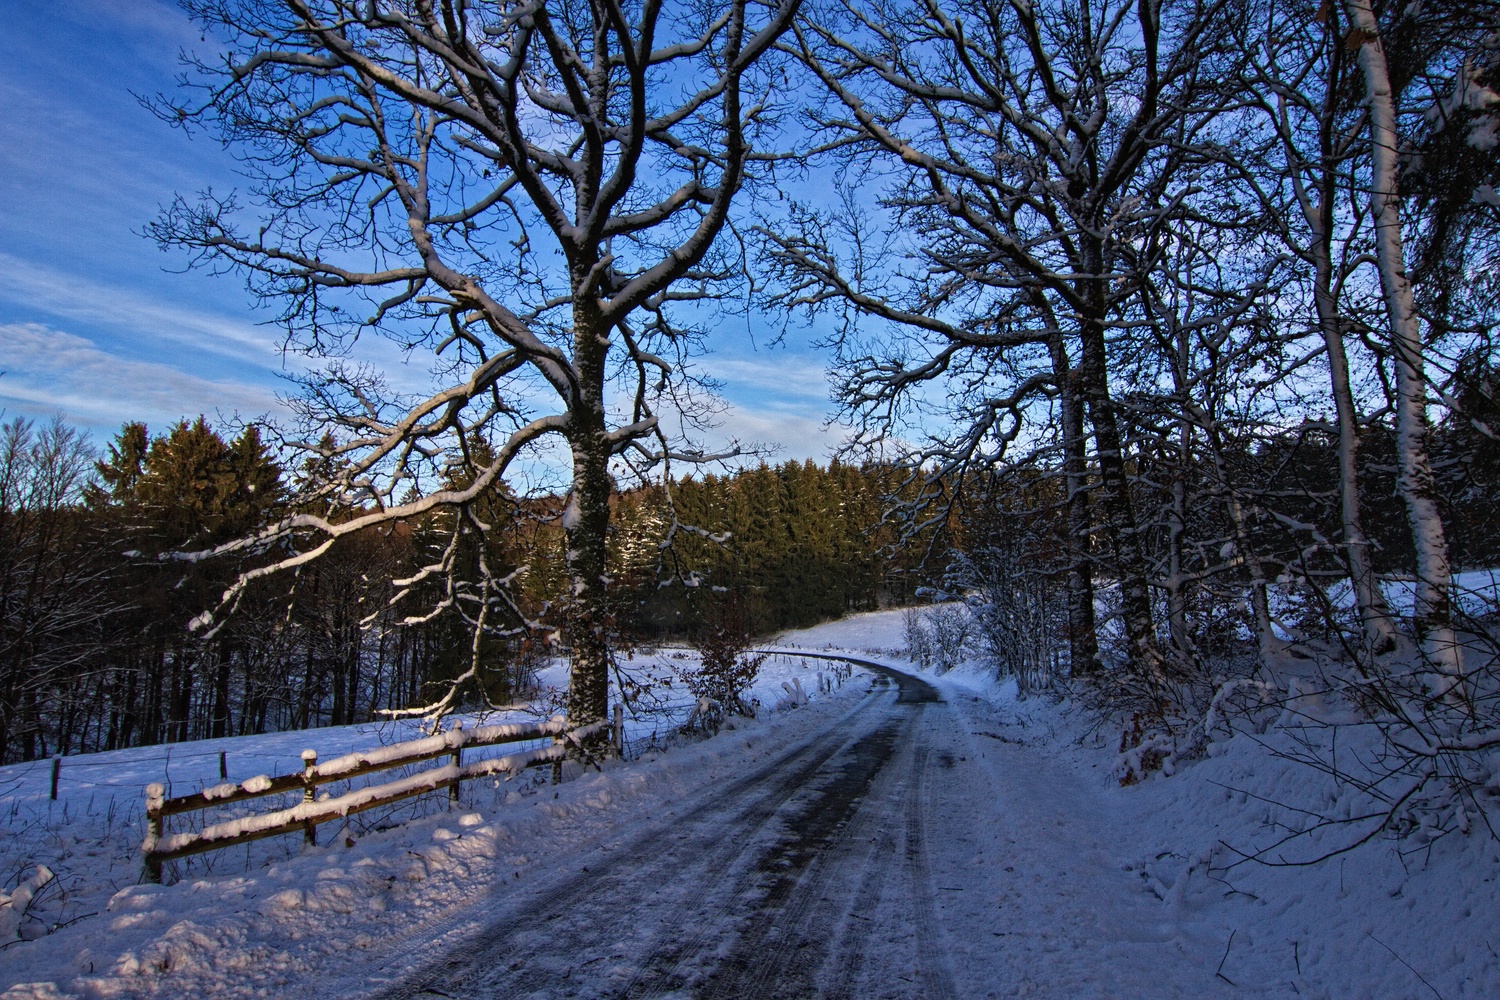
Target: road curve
[(807, 876)]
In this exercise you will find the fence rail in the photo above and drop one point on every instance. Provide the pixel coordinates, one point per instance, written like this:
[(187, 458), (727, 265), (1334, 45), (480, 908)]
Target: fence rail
[(160, 846)]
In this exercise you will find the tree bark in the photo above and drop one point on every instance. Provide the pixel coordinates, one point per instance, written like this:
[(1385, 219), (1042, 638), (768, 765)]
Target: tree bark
[(1433, 612), (1130, 564), (1374, 613), (586, 523), (1375, 616), (1083, 640)]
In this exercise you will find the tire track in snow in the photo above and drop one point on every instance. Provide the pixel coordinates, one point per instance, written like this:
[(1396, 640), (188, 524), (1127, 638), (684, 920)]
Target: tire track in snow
[(701, 848), (932, 966), (784, 951), (849, 960), (667, 969), (778, 955)]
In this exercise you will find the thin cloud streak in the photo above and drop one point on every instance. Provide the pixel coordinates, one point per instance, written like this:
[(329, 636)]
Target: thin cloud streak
[(49, 371), (794, 436), (65, 296), (142, 325), (786, 375)]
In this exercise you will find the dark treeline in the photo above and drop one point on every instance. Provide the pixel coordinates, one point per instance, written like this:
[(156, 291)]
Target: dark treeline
[(790, 545), (1252, 523), (96, 649), (97, 601), (95, 646)]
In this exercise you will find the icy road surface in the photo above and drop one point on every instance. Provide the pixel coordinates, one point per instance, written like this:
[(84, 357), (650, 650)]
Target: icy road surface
[(903, 851)]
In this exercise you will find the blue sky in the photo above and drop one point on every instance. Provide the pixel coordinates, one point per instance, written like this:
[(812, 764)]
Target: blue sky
[(99, 326)]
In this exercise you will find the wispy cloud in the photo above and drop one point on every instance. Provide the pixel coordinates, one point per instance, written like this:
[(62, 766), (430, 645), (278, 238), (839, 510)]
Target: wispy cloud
[(783, 374), (142, 326), (49, 371), (74, 297), (791, 435)]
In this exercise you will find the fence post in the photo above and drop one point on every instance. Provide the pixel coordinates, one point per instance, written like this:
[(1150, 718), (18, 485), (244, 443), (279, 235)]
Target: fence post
[(223, 766), (56, 769), (619, 730), (458, 763), (309, 793), (557, 764), (155, 795)]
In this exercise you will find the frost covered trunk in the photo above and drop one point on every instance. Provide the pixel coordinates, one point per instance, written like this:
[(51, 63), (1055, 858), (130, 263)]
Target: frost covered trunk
[(1260, 606), (1083, 642), (586, 526), (1130, 564), (1433, 611), (1373, 611), (1177, 598)]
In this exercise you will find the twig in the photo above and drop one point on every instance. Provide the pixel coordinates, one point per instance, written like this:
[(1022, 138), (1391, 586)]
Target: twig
[(1404, 962), (1262, 798), (1220, 970), (73, 920)]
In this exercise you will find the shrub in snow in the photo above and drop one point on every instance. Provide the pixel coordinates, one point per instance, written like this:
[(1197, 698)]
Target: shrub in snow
[(1013, 634), (938, 638), (1146, 747), (725, 672), (918, 649), (949, 625), (1015, 614)]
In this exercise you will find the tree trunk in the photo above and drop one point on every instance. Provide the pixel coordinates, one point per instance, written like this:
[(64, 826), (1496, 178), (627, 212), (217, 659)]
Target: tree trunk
[(1177, 597), (131, 710), (352, 674), (220, 724), (1260, 606), (1374, 614), (336, 712), (151, 727), (1434, 612), (586, 524), (1083, 639), (1130, 564)]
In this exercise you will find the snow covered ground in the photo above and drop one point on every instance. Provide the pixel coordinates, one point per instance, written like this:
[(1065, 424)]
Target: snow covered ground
[(1040, 875), (88, 839)]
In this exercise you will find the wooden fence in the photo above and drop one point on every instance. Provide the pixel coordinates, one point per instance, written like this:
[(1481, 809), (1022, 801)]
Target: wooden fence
[(161, 846)]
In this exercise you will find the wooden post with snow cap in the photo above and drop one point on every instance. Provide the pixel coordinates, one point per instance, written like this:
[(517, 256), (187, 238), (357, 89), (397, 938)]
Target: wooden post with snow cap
[(309, 793), (619, 730), (156, 794), (458, 765)]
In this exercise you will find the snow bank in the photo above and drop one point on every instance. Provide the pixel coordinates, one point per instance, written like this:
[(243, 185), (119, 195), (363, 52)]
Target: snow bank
[(1212, 860), (871, 632), (315, 915)]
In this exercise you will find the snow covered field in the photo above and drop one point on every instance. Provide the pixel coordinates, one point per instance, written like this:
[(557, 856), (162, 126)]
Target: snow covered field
[(1046, 877)]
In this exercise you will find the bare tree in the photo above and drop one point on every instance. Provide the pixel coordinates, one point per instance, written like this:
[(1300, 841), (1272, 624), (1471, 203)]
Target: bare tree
[(54, 590), (1300, 79), (1208, 306), (1032, 150), (524, 190)]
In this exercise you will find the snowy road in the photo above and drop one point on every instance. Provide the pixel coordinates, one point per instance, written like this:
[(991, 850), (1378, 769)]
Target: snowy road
[(863, 861)]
